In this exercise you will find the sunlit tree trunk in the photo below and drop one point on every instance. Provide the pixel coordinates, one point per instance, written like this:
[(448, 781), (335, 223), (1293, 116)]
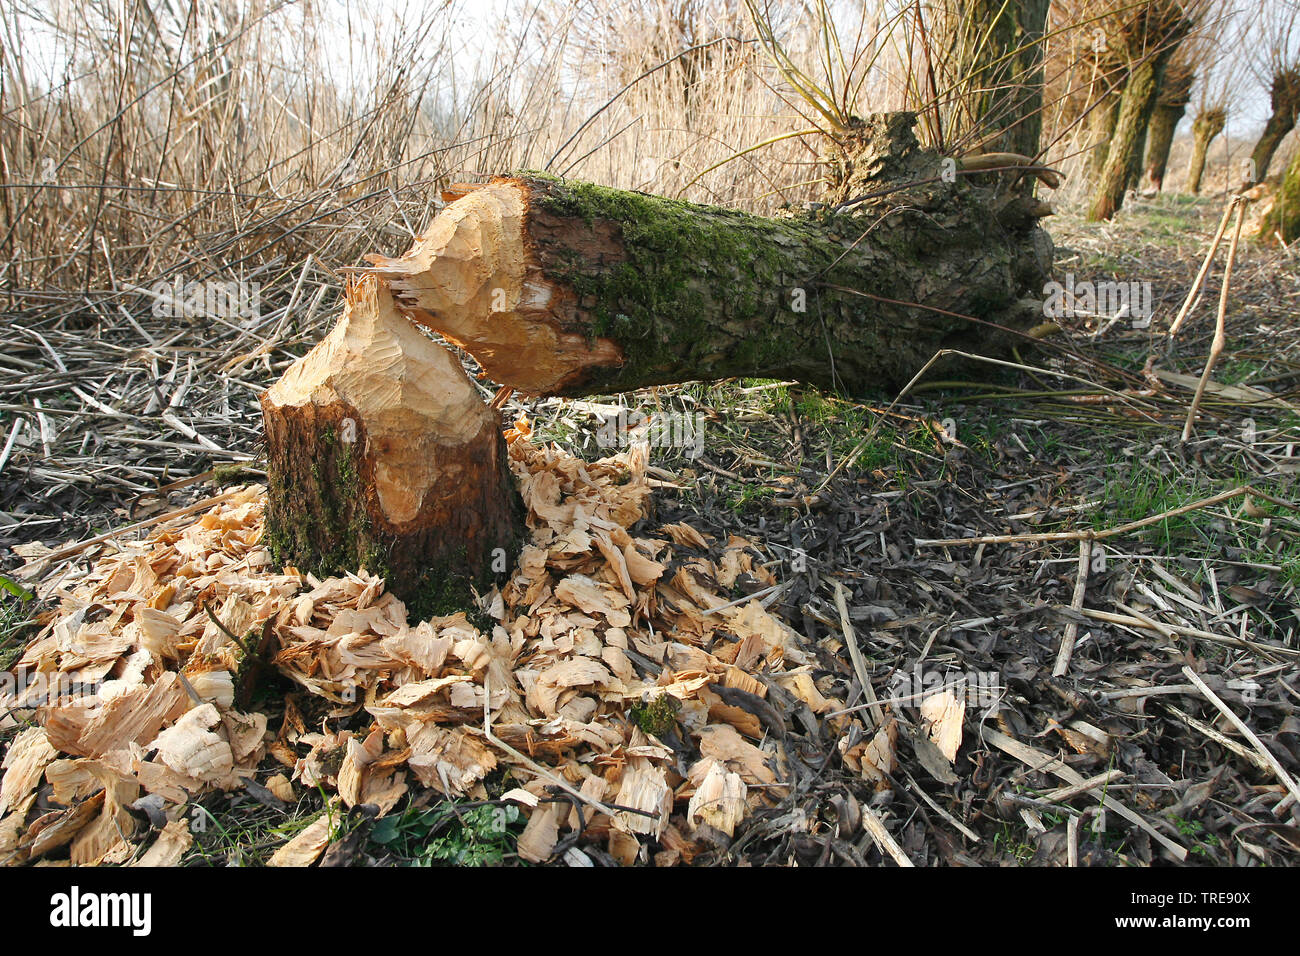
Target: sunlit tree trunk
[(1207, 125), (1285, 101), (998, 68)]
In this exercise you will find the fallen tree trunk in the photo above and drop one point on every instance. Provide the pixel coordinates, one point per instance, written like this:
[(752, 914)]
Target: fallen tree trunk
[(381, 455), (564, 288)]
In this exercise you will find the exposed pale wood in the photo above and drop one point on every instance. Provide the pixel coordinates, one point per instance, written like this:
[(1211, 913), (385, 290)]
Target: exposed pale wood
[(382, 455), (945, 714), (172, 844), (305, 848), (876, 827), (719, 801)]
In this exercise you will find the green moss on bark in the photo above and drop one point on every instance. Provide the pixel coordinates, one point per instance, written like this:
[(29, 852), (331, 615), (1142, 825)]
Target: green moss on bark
[(701, 292)]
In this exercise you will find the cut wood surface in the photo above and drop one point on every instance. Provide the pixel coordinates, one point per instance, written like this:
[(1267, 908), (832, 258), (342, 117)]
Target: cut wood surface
[(381, 455)]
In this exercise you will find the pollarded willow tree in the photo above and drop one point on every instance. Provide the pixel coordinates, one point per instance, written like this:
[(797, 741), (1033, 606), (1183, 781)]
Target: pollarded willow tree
[(1171, 104), (1148, 35), (1276, 42), (1209, 123)]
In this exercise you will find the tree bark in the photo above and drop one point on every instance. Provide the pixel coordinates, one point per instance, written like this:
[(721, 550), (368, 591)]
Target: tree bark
[(1123, 157), (1160, 139), (1283, 217), (1139, 150), (1207, 125), (381, 455), (1101, 130), (997, 67), (1284, 98), (564, 288), (1171, 104)]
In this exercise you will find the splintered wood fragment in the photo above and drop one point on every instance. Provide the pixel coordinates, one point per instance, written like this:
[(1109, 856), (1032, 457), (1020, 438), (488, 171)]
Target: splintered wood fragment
[(172, 844), (723, 743), (1066, 650), (133, 717), (887, 844), (1033, 757), (875, 757), (57, 829), (450, 760), (191, 748), (644, 788), (542, 832), (26, 759), (68, 551), (945, 715), (719, 802), (305, 848)]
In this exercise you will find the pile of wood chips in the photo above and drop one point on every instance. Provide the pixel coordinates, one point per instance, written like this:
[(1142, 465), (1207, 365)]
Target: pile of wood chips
[(600, 637)]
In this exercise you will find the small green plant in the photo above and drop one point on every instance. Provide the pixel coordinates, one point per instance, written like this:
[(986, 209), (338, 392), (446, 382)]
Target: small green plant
[(1194, 831), (15, 620), (658, 716), (748, 494), (1008, 840), (449, 835)]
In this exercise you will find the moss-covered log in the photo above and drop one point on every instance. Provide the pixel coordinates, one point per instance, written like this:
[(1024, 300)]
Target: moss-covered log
[(565, 288), (382, 456)]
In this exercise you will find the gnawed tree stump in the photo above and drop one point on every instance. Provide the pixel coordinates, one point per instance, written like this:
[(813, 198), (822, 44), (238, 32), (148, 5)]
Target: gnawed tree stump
[(565, 288), (381, 455)]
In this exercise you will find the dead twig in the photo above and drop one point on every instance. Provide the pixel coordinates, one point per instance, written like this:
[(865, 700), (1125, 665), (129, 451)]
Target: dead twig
[(1071, 627), (1220, 337), (1278, 770)]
